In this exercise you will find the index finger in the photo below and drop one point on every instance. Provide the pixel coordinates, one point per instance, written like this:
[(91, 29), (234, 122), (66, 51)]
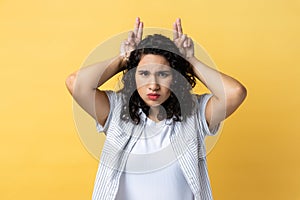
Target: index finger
[(175, 32), (179, 27), (139, 34), (136, 26)]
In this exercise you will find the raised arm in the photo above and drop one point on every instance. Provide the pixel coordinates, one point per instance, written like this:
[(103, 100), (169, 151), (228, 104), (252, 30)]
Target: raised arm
[(83, 84), (228, 93)]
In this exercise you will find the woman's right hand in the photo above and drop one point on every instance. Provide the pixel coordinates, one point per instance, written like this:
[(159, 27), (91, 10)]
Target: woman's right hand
[(184, 43), (134, 38)]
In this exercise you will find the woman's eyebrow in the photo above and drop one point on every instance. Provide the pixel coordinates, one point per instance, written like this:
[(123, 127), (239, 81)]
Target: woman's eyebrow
[(143, 70), (159, 71), (164, 70)]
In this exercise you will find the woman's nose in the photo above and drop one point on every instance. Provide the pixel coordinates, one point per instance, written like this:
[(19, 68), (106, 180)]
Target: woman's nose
[(154, 86), (153, 83)]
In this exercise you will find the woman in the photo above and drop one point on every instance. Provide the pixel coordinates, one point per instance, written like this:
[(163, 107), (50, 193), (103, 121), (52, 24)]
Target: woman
[(154, 126)]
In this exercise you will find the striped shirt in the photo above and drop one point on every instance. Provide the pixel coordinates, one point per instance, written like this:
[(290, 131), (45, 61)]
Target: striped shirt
[(187, 141)]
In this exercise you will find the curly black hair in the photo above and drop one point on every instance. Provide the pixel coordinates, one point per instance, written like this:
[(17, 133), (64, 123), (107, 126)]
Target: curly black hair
[(180, 104)]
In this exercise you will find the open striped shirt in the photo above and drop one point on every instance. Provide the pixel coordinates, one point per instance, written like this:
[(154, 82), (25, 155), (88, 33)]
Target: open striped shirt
[(187, 141)]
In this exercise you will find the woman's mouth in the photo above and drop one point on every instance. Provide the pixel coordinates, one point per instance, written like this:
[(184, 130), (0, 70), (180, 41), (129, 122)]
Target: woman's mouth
[(153, 96)]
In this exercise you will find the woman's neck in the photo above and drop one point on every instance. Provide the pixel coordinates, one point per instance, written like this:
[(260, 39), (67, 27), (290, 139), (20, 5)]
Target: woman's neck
[(156, 111), (153, 112)]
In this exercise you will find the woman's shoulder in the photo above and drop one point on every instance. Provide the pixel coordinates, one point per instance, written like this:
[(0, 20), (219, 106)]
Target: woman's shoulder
[(114, 95), (202, 96), (201, 100)]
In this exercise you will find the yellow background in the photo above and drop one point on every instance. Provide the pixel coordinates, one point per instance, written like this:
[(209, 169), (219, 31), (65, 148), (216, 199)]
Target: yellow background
[(257, 42)]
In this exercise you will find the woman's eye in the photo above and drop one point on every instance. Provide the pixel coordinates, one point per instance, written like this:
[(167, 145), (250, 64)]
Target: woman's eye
[(163, 74), (145, 73)]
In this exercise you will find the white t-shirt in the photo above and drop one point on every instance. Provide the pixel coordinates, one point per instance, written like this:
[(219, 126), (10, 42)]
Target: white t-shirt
[(152, 171)]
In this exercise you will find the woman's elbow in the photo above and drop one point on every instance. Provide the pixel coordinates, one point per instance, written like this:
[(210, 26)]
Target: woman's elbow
[(239, 94), (70, 81), (242, 91)]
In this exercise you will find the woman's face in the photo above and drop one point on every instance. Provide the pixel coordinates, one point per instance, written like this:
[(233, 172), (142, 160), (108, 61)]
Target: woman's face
[(153, 79)]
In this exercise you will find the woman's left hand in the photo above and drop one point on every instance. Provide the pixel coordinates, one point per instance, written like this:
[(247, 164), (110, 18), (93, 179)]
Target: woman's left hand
[(134, 38), (182, 41)]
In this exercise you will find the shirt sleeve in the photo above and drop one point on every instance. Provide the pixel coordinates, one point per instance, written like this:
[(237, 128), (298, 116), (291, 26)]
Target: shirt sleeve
[(202, 102), (112, 100)]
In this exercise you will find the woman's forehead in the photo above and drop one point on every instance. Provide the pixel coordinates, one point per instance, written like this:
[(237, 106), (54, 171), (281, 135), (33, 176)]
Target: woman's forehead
[(153, 59), (154, 67)]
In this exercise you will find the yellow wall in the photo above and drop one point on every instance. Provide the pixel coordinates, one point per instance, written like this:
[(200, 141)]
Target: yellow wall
[(257, 42)]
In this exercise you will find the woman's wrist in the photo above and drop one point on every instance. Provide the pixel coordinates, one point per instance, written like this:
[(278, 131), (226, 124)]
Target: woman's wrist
[(192, 60), (123, 59)]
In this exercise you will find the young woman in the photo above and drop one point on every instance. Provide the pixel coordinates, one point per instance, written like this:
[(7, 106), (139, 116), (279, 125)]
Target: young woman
[(155, 127)]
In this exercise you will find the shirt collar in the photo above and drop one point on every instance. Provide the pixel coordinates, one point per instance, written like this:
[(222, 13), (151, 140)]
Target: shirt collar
[(144, 118)]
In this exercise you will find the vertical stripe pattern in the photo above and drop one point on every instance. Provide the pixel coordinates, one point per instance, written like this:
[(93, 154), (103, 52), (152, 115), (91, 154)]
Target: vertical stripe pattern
[(187, 140)]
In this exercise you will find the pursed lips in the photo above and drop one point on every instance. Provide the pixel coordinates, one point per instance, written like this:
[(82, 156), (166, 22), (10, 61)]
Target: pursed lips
[(153, 96)]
